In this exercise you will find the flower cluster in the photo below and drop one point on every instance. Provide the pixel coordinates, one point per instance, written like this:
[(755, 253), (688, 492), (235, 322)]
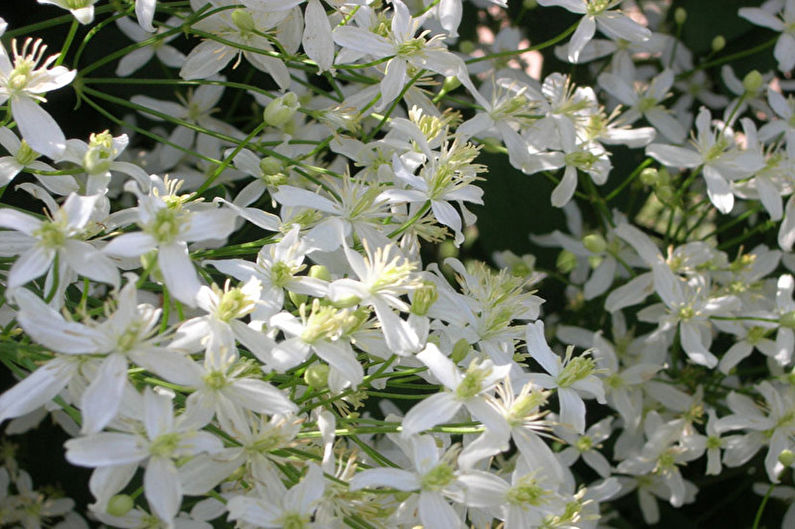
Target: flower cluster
[(235, 309)]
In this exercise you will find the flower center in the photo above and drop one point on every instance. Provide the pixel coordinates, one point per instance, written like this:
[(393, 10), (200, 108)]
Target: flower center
[(51, 234), (578, 368), (527, 492), (164, 445), (437, 477), (25, 154)]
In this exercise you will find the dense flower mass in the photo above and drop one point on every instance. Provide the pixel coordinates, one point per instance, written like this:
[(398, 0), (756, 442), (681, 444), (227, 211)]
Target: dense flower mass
[(255, 296)]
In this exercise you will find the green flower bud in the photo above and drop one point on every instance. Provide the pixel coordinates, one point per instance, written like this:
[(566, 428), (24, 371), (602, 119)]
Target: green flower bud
[(345, 303), (466, 47), (423, 299), (649, 176), (665, 193), (680, 15), (281, 110), (316, 376), (594, 243), (119, 505), (242, 18), (450, 84), (786, 457), (320, 272), (566, 262), (460, 350), (753, 81), (718, 43)]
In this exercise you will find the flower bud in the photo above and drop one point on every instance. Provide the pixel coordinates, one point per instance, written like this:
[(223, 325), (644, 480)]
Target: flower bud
[(786, 457), (242, 18), (460, 350), (566, 262), (316, 376), (424, 297), (649, 176), (665, 193), (594, 243), (119, 505), (718, 43), (466, 47), (450, 84), (281, 110), (680, 15), (753, 81), (344, 303), (320, 272)]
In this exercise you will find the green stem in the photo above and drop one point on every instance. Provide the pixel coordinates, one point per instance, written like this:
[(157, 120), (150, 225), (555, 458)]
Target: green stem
[(761, 509), (68, 43)]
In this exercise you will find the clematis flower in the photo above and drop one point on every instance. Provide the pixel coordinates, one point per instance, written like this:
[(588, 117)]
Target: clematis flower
[(772, 14), (597, 14), (24, 79)]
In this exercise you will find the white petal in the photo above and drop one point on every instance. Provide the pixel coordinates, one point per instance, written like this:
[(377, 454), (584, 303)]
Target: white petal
[(429, 412), (162, 488), (178, 272), (100, 402), (317, 40), (37, 389), (38, 127), (104, 449), (393, 478)]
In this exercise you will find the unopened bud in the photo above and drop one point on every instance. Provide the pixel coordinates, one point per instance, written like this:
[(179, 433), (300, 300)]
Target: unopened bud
[(566, 262), (281, 110), (786, 457), (424, 297), (665, 193), (594, 243), (320, 272), (344, 303), (753, 81), (680, 15), (466, 47), (649, 176), (718, 43), (460, 350), (119, 505), (316, 376), (450, 84), (242, 18)]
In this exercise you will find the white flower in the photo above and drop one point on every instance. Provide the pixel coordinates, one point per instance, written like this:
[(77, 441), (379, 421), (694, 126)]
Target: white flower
[(778, 15), (404, 48), (273, 506), (612, 23), (718, 156), (470, 389), (22, 158), (24, 79), (570, 376), (38, 242), (169, 223), (83, 10), (168, 55), (163, 440)]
